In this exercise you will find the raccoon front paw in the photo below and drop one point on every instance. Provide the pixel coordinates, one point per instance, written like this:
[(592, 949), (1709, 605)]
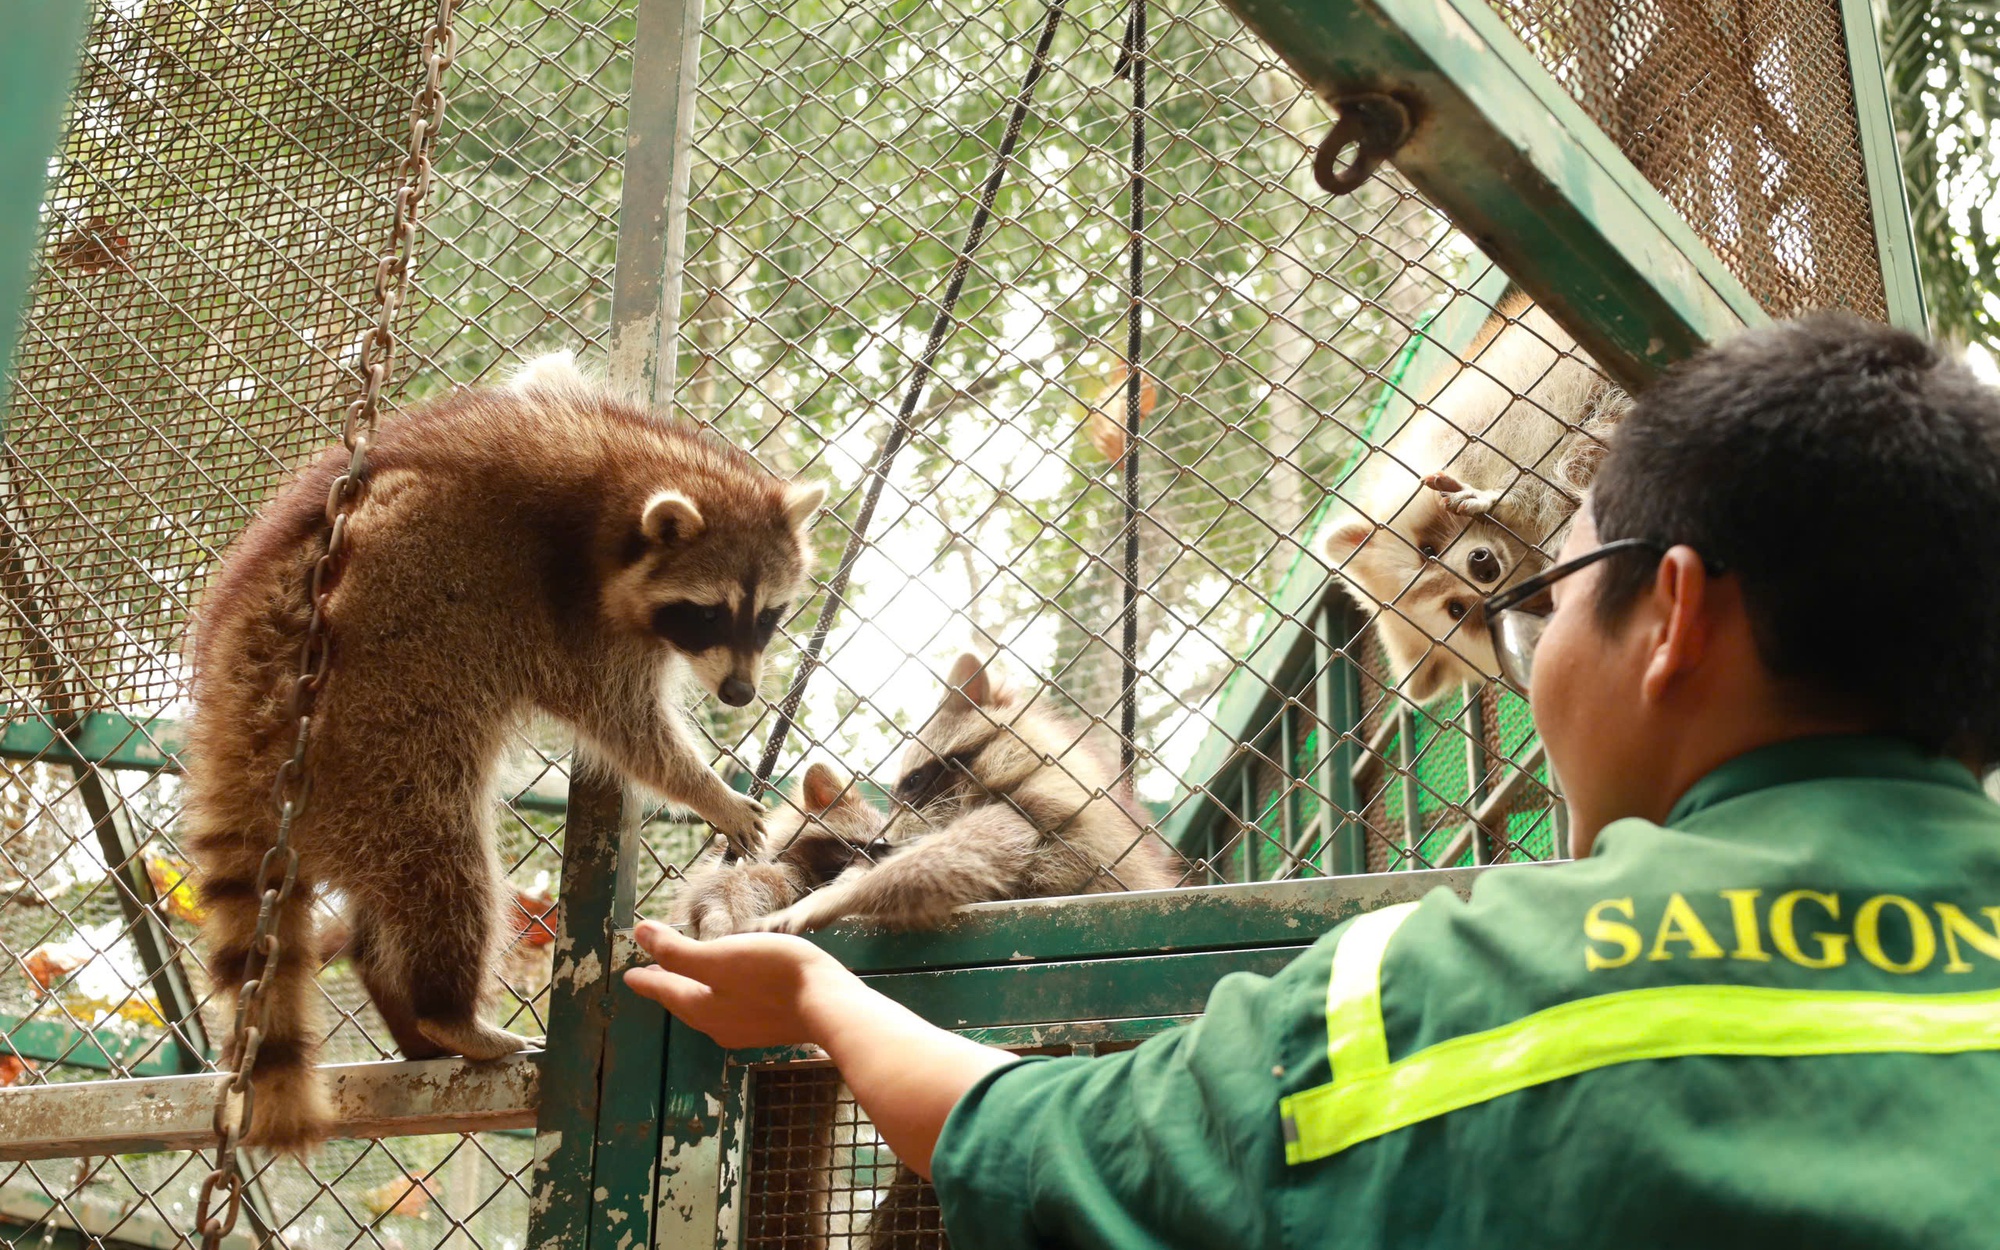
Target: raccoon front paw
[(1461, 499), (799, 918), (740, 821)]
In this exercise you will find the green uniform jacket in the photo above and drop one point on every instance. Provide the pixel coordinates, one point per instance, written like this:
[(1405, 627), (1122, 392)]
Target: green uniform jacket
[(1773, 1022)]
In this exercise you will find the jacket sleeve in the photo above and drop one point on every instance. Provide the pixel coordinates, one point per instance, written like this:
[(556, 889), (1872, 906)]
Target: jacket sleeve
[(1176, 1142)]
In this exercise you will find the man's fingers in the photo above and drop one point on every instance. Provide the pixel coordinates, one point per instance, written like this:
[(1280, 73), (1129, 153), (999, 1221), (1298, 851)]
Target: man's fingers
[(671, 990), (669, 947)]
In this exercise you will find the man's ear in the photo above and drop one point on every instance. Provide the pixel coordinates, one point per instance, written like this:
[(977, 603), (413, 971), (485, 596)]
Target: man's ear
[(670, 516), (971, 685), (824, 789), (1680, 599), (802, 499)]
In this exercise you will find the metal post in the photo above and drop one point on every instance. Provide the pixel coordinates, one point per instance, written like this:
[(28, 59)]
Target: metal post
[(1895, 244), (652, 208), (595, 1150)]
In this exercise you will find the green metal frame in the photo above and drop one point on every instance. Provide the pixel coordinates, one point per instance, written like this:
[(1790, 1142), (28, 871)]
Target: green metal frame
[(1511, 157), (38, 62), (1074, 972), (1888, 198)]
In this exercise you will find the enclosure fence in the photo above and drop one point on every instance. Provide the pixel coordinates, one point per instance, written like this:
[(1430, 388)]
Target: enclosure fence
[(196, 322)]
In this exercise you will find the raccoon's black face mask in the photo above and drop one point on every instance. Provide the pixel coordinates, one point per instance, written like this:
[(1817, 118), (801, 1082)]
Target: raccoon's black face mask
[(698, 627)]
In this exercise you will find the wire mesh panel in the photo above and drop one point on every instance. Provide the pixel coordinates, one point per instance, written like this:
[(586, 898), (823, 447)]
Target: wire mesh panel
[(1743, 116), (196, 320), (196, 325)]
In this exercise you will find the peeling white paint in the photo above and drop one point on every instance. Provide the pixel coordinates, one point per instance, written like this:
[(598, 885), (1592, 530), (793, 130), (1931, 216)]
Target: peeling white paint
[(589, 972), (1458, 29), (600, 1194)]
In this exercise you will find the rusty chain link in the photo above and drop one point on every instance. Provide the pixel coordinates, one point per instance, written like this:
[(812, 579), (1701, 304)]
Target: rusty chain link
[(278, 872)]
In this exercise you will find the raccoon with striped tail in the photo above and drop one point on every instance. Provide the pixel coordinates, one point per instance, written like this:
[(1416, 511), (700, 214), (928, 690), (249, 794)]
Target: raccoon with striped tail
[(543, 547), (818, 833), (1464, 498), (1001, 797)]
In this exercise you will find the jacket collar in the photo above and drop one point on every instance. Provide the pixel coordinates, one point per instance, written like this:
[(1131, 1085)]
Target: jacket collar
[(1818, 759)]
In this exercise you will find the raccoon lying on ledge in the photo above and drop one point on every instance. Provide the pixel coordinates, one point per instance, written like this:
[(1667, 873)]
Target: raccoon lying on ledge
[(821, 831), (1001, 797), (543, 546)]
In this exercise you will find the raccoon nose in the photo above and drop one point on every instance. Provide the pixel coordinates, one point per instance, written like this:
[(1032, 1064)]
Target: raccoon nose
[(736, 692)]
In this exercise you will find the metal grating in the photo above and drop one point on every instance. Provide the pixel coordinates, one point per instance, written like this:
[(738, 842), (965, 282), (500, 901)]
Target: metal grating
[(194, 329), (206, 276), (1742, 115)]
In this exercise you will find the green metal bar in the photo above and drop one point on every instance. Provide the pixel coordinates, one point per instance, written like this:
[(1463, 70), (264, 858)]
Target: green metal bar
[(603, 1192), (1510, 156), (652, 208), (103, 739), (99, 1050), (703, 1117), (38, 62), (560, 1208), (1350, 848), (1888, 199), (1223, 917)]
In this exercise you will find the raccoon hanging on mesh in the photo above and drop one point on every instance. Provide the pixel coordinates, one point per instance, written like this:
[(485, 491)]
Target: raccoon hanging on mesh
[(1464, 498), (539, 547), (821, 831), (1000, 797)]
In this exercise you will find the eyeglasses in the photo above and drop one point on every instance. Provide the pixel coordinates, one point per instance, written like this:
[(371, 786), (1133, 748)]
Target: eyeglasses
[(1517, 616)]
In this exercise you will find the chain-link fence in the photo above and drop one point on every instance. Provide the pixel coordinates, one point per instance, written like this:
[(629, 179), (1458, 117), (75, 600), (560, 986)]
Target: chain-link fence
[(199, 310)]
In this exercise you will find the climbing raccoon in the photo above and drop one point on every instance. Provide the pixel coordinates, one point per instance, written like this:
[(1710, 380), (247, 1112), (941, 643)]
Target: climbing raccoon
[(539, 547), (1462, 500), (1000, 797), (822, 831)]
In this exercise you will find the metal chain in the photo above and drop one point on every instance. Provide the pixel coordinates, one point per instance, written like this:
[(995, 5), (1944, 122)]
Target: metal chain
[(278, 872)]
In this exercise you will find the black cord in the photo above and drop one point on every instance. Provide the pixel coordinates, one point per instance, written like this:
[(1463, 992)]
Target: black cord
[(885, 455), (1133, 64)]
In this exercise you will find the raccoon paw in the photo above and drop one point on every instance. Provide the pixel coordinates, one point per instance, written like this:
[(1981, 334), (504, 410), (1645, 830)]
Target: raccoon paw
[(741, 823), (473, 1038), (798, 918), (1460, 498)]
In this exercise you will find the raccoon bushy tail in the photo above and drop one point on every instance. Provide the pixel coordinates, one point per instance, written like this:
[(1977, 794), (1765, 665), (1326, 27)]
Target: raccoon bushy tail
[(290, 1111)]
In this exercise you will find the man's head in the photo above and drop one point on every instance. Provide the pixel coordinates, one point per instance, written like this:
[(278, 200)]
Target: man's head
[(1845, 478)]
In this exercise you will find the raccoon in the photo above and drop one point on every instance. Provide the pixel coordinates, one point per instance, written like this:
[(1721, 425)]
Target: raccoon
[(999, 798), (538, 547), (824, 830), (1465, 497)]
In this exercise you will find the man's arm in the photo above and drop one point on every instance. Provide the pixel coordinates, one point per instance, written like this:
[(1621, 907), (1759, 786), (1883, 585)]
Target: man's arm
[(762, 989)]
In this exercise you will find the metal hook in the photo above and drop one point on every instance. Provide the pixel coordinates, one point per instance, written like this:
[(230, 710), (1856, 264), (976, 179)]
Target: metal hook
[(1376, 125)]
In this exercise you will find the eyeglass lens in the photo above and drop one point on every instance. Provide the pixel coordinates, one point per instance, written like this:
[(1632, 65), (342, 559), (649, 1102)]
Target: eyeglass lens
[(1515, 634)]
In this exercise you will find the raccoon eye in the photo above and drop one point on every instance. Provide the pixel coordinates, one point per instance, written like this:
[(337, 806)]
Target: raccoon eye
[(1456, 608), (1483, 565), (767, 622), (692, 627), (915, 785)]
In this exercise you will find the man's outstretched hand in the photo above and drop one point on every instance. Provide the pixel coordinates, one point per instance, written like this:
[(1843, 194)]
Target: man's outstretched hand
[(750, 990), (769, 989)]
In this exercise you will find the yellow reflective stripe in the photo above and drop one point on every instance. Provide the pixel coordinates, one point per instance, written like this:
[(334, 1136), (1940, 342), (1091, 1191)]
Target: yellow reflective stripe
[(1668, 1022), (1354, 1041)]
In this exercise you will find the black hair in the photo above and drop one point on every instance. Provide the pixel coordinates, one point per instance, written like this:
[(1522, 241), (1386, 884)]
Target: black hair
[(1849, 475)]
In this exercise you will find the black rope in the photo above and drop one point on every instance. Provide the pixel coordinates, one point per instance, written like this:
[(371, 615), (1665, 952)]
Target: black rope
[(1133, 64), (885, 455)]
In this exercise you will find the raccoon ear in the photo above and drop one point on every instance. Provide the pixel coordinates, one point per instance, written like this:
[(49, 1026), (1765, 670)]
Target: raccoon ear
[(670, 515), (824, 789), (1346, 538), (971, 685), (802, 499)]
